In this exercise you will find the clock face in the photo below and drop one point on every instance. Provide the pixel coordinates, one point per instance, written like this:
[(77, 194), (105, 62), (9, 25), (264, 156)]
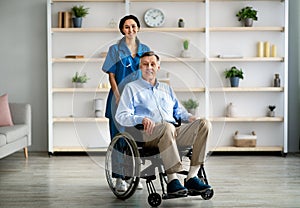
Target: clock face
[(154, 17)]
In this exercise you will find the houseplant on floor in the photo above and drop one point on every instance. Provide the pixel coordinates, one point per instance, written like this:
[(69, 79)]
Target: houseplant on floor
[(190, 105), (79, 12), (247, 15), (234, 74), (79, 80)]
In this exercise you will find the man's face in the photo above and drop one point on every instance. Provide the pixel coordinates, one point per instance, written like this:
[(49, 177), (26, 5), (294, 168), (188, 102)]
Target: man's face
[(149, 67)]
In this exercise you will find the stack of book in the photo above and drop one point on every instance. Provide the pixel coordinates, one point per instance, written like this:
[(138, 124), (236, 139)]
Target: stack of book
[(64, 19)]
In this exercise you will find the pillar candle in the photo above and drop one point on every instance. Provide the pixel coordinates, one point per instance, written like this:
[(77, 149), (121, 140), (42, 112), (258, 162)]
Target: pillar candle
[(267, 49), (274, 51), (260, 49)]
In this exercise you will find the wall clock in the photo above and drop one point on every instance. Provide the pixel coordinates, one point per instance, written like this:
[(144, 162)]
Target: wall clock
[(154, 17)]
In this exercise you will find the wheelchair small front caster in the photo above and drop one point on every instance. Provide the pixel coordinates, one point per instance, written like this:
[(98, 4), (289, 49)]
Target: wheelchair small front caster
[(208, 194), (154, 199)]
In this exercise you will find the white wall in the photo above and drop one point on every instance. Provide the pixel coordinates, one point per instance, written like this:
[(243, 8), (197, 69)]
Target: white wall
[(23, 64), (23, 60)]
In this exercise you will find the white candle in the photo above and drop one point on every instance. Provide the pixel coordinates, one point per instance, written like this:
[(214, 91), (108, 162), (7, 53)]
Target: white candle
[(274, 51), (267, 49), (260, 49)]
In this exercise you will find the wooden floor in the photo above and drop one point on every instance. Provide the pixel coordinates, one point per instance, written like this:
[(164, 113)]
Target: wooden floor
[(79, 181)]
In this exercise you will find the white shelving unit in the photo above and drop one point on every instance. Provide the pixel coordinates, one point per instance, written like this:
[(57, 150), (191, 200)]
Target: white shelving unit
[(72, 125)]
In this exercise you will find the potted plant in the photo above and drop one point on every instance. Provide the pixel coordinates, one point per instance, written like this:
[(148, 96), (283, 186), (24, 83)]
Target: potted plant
[(234, 74), (79, 12), (271, 110), (79, 80), (247, 15), (190, 105), (185, 52)]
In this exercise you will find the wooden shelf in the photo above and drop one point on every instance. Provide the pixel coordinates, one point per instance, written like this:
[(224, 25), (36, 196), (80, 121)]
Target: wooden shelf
[(247, 59), (173, 29), (167, 0), (78, 60), (246, 0), (197, 89), (86, 29), (75, 119), (246, 29), (247, 149), (246, 119), (102, 29), (247, 89), (88, 1), (99, 60), (71, 90)]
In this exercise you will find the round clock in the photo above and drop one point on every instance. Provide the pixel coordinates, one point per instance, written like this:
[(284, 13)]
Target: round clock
[(154, 17)]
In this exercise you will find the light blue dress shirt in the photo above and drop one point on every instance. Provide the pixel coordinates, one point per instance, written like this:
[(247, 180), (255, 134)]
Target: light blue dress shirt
[(140, 99)]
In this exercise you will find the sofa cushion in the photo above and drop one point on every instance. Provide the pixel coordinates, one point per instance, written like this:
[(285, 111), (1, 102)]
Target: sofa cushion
[(5, 116), (14, 133), (2, 140)]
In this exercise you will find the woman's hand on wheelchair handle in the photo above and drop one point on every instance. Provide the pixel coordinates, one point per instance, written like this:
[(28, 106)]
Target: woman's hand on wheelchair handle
[(148, 125), (192, 119)]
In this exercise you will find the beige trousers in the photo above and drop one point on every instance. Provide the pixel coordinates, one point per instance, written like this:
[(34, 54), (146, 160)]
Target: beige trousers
[(168, 138)]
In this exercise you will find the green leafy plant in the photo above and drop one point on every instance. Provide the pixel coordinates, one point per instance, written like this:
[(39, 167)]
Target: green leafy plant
[(80, 79), (186, 44), (190, 104), (80, 11), (234, 72), (247, 12)]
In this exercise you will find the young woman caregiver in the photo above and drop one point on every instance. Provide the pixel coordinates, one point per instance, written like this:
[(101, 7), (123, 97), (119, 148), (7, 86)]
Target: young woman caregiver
[(122, 66)]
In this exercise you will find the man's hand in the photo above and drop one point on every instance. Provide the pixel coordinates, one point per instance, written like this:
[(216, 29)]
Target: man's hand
[(148, 125)]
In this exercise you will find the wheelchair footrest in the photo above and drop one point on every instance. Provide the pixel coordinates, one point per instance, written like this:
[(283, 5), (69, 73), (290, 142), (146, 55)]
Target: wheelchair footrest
[(172, 196)]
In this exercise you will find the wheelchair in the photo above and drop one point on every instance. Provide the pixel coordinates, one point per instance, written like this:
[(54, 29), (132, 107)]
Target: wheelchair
[(135, 162)]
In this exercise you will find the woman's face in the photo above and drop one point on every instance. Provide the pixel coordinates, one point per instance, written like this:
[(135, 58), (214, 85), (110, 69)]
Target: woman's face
[(130, 29)]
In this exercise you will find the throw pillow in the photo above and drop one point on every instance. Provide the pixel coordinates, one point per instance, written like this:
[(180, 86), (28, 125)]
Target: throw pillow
[(5, 116)]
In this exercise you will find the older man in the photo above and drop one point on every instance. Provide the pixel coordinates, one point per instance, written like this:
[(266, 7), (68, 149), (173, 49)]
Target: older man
[(154, 104)]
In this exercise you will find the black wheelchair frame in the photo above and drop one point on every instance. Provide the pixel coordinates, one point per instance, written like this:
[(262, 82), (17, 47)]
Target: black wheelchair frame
[(134, 156)]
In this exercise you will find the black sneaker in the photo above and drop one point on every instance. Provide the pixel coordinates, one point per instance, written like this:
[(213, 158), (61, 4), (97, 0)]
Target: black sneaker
[(176, 189), (196, 186)]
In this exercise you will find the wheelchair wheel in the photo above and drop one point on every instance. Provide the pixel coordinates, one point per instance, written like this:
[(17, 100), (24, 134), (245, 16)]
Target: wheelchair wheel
[(208, 194), (154, 199), (123, 161)]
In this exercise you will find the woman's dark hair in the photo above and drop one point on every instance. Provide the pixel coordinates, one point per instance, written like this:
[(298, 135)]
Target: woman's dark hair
[(123, 20)]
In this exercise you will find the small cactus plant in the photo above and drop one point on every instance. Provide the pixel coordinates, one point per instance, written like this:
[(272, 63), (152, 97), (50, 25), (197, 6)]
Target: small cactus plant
[(186, 44)]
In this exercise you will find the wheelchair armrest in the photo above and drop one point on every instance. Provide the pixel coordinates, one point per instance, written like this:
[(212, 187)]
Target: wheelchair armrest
[(177, 124), (139, 127)]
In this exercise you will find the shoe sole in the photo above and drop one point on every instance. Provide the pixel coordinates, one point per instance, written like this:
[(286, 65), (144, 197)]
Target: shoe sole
[(179, 193), (193, 192)]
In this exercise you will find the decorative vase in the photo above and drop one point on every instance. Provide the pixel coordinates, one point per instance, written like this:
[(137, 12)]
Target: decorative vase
[(271, 113), (180, 23), (231, 110), (77, 22), (78, 85), (276, 81), (248, 22), (185, 54), (192, 111), (234, 81)]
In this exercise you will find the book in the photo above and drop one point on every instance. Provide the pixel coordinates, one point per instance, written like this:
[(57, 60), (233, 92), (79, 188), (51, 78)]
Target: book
[(60, 19), (67, 19)]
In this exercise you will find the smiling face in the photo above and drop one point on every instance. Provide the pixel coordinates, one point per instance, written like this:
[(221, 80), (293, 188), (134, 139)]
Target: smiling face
[(130, 29), (149, 66)]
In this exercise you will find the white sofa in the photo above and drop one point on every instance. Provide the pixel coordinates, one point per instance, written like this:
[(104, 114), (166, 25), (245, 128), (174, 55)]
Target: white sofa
[(16, 137)]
